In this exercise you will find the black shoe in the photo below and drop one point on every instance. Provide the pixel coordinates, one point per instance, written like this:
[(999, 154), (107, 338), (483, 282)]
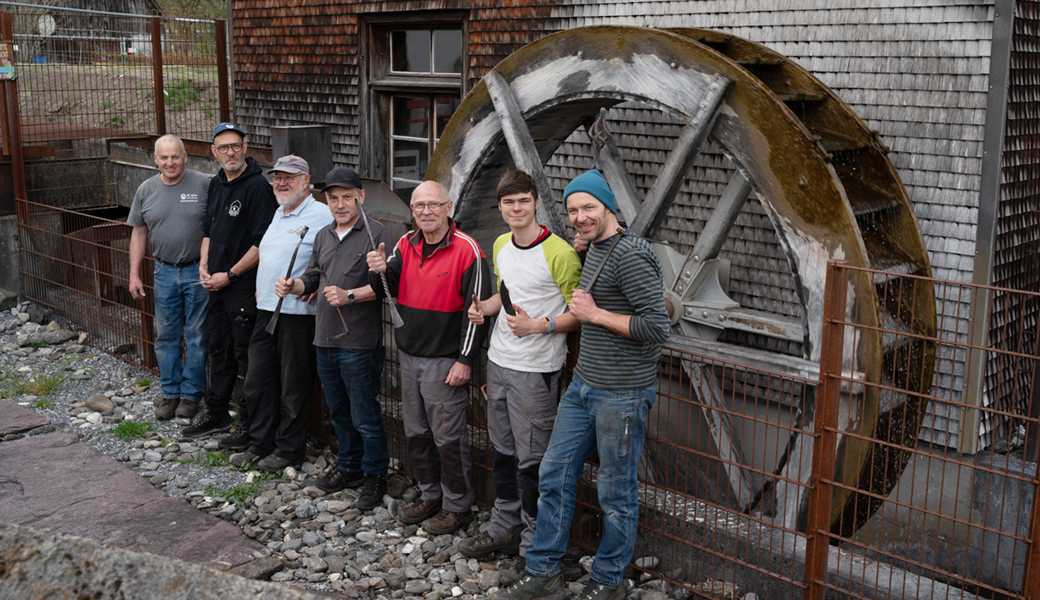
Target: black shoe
[(529, 587), (273, 463), (595, 590), (206, 422), (484, 545), (243, 459), (372, 494), (239, 440), (341, 480)]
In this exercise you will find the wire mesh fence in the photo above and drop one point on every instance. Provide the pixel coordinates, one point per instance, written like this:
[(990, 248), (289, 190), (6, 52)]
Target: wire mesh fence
[(948, 525), (85, 76)]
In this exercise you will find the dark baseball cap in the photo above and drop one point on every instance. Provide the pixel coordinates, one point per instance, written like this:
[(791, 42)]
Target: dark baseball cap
[(222, 127), (343, 177)]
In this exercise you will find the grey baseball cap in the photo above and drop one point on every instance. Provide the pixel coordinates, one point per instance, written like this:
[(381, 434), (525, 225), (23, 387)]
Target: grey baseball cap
[(290, 163)]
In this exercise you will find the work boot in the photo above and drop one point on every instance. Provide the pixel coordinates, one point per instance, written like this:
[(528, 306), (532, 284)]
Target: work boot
[(239, 440), (273, 463), (420, 510), (485, 545), (187, 409), (530, 587), (595, 590), (448, 522), (372, 494), (206, 422), (341, 480), (166, 409), (243, 459)]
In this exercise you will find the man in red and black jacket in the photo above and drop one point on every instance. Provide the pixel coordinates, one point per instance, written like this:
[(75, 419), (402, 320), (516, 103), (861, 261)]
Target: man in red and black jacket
[(435, 271)]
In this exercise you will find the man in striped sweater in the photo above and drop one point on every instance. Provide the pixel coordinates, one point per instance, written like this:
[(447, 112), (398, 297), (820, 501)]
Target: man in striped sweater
[(435, 271), (621, 307)]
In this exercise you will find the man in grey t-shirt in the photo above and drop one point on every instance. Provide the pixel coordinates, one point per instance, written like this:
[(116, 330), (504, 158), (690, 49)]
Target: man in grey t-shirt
[(167, 214)]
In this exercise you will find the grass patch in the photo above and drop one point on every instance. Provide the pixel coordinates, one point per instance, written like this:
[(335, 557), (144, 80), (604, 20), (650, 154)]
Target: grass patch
[(129, 431), (209, 458), (116, 120), (143, 382), (242, 493), (40, 383), (36, 345), (181, 94), (42, 403)]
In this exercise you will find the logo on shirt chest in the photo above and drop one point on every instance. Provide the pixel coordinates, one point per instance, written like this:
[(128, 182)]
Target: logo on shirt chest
[(296, 232), (235, 208), (190, 198)]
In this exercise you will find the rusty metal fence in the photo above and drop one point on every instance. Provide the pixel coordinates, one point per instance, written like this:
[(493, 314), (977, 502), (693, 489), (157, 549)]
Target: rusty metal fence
[(85, 76), (77, 264)]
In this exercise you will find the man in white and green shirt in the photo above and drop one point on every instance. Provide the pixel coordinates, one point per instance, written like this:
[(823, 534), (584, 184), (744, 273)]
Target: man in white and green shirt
[(537, 272)]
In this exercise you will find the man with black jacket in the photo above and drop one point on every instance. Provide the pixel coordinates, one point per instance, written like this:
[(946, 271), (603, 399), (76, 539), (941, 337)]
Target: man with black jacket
[(241, 203)]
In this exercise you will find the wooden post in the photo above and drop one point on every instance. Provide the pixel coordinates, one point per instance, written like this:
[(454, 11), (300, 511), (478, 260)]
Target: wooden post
[(157, 74), (223, 96), (828, 398), (13, 134)]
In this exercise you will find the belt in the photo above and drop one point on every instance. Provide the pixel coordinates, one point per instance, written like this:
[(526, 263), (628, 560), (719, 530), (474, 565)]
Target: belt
[(178, 265)]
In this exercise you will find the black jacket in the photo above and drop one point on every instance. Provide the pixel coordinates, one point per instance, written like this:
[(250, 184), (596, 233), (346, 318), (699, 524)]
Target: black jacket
[(237, 217)]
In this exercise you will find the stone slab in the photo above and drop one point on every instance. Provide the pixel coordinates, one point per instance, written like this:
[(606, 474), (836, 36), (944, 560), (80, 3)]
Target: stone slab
[(18, 419), (57, 482)]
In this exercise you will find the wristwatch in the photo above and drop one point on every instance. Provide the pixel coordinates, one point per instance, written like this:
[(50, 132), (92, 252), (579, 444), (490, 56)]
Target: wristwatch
[(351, 298), (231, 277)]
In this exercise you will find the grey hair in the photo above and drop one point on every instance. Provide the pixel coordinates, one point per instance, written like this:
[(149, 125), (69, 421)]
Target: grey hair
[(169, 137)]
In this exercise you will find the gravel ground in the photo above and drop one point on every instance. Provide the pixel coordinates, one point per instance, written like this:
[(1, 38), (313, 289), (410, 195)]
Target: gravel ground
[(322, 542)]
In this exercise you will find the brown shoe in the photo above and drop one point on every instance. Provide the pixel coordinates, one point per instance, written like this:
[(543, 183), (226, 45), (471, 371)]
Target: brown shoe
[(187, 409), (166, 409), (448, 522), (420, 510)]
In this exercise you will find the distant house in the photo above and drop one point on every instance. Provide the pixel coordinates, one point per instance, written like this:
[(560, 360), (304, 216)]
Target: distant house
[(949, 86)]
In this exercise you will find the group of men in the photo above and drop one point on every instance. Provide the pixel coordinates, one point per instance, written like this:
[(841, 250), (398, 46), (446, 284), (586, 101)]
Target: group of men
[(319, 275)]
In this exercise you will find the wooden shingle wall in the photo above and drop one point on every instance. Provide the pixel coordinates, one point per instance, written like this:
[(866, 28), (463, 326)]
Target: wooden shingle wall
[(915, 70), (1015, 260)]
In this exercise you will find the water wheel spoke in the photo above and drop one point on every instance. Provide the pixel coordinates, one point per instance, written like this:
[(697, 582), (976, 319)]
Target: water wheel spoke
[(673, 171), (609, 161), (522, 148)]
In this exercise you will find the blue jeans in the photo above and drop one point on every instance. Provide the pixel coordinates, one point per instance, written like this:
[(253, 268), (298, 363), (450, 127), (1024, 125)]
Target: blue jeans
[(180, 317), (615, 422), (351, 379)]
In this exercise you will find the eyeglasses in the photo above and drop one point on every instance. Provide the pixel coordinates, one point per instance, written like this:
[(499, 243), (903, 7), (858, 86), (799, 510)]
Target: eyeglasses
[(286, 178), (418, 207), (225, 148)]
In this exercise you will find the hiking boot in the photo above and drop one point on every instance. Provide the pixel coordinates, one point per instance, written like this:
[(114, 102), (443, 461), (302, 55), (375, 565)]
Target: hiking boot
[(166, 409), (187, 409), (595, 590), (273, 463), (484, 545), (239, 440), (243, 459), (530, 587), (341, 480), (372, 494), (206, 422), (420, 510), (448, 522)]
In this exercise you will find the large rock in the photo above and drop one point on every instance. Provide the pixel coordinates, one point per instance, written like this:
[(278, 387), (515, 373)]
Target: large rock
[(16, 419), (99, 403), (44, 564)]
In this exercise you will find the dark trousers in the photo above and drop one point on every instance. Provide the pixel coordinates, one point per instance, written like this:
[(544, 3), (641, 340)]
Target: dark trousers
[(278, 385), (232, 314)]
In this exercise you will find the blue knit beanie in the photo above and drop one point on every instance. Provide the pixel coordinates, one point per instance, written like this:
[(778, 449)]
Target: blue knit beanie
[(592, 182)]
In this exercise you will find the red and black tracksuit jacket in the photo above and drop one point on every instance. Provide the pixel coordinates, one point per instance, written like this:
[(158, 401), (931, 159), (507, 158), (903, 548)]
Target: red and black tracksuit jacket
[(433, 294)]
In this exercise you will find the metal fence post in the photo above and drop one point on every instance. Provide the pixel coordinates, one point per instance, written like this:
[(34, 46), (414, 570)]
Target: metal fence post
[(13, 127), (157, 72), (1031, 585), (828, 396), (222, 71)]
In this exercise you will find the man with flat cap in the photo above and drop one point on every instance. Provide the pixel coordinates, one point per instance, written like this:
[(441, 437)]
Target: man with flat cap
[(620, 304), (241, 203), (281, 372), (350, 365)]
